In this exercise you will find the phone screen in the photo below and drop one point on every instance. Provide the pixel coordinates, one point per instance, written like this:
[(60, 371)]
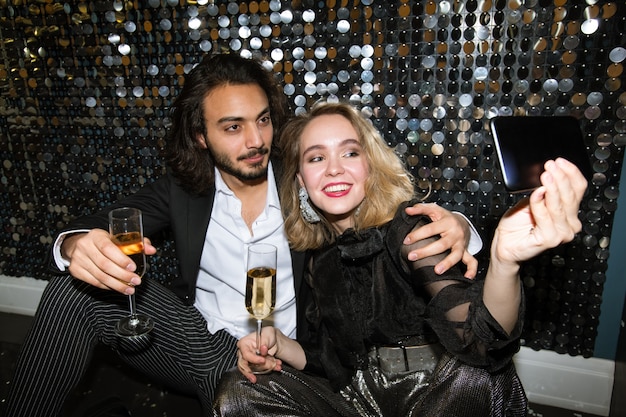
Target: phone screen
[(525, 143)]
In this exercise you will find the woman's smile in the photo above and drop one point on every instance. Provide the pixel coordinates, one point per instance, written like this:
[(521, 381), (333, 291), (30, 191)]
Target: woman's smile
[(337, 189)]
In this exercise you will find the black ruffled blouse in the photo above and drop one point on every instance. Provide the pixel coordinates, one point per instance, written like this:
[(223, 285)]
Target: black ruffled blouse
[(366, 293)]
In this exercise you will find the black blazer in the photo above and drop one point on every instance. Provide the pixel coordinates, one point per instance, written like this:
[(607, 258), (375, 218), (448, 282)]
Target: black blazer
[(165, 205)]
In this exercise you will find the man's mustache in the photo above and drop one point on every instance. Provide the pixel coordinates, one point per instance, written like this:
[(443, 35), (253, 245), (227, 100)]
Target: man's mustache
[(253, 153)]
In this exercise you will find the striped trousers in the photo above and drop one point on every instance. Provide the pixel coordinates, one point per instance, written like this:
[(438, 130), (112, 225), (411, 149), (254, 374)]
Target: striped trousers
[(73, 317)]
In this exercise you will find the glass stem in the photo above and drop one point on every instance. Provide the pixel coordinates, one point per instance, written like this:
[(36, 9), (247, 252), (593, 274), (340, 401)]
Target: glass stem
[(133, 310), (258, 336)]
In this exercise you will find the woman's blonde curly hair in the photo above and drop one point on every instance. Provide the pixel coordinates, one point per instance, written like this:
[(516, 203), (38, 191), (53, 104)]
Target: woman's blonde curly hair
[(388, 183)]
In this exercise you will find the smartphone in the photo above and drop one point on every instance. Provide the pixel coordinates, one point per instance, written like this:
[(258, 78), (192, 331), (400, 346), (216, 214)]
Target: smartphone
[(524, 143)]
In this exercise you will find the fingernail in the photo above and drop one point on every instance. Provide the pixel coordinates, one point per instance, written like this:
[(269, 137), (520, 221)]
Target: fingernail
[(129, 290), (549, 178), (412, 257), (407, 241), (135, 281)]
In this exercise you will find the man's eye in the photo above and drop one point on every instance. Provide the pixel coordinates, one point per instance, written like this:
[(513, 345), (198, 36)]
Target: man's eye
[(264, 120)]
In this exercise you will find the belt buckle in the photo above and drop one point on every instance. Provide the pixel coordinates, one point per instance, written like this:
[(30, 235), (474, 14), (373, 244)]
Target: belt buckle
[(389, 358), (388, 362)]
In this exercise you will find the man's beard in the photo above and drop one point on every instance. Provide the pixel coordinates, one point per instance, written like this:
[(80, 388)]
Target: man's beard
[(255, 172)]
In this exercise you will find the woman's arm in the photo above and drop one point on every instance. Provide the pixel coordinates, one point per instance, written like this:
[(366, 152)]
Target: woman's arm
[(474, 318), (548, 218)]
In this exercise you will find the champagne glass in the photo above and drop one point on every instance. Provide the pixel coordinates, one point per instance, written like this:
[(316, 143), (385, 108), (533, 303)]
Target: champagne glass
[(126, 229), (260, 287)]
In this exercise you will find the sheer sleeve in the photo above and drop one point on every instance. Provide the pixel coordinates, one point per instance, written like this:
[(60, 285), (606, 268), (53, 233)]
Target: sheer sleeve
[(456, 313), (316, 341)]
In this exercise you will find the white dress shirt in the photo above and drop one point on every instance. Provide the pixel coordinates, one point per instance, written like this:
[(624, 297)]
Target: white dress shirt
[(221, 285)]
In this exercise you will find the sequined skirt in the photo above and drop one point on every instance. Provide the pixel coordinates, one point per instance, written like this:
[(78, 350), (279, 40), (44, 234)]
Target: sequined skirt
[(451, 389)]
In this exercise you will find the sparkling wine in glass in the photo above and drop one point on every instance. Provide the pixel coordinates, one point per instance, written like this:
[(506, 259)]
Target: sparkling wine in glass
[(126, 229), (261, 286)]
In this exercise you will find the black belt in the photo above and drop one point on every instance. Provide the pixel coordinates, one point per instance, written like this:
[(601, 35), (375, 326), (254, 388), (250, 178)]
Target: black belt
[(401, 359)]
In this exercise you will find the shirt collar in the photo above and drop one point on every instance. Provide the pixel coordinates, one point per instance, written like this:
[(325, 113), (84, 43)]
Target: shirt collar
[(272, 190)]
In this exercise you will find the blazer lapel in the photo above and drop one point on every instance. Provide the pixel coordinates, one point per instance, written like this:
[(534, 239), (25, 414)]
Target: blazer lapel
[(199, 215)]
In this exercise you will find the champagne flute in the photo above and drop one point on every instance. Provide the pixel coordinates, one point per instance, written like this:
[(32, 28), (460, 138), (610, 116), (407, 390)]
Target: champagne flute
[(260, 287), (126, 229)]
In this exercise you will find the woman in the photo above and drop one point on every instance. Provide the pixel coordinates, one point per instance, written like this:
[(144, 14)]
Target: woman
[(388, 336)]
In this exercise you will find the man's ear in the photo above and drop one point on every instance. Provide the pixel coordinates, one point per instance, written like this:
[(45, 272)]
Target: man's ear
[(201, 139)]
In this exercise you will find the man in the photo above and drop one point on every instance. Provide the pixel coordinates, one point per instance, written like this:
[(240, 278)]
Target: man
[(219, 197)]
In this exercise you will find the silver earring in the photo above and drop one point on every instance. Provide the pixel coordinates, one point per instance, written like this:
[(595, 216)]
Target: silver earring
[(305, 207)]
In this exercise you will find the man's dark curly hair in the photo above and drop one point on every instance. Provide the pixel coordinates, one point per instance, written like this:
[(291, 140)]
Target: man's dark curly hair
[(191, 165)]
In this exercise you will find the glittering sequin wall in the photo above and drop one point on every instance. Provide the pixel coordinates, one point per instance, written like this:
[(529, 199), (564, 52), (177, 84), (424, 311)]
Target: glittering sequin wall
[(85, 89)]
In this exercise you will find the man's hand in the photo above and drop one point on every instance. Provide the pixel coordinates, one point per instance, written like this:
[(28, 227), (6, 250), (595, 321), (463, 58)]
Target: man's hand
[(454, 235), (95, 259)]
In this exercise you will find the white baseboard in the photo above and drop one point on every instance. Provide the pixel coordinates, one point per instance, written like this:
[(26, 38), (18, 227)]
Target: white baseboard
[(570, 382), (20, 295)]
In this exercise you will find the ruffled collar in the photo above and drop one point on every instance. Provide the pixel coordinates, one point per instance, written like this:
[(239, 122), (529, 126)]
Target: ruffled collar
[(356, 246)]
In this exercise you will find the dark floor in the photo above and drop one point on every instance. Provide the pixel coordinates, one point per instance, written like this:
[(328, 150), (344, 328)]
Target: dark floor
[(109, 383)]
